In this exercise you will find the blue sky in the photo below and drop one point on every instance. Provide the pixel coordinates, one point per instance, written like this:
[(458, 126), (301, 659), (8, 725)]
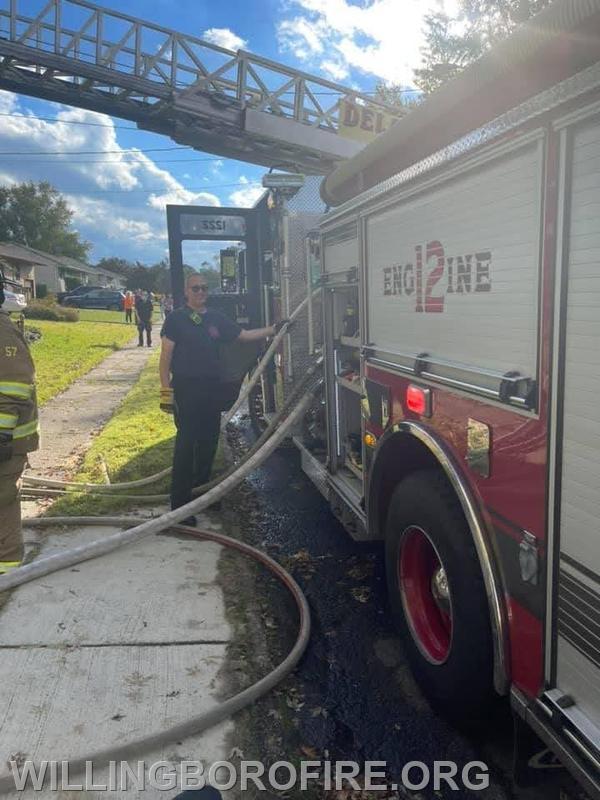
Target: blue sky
[(118, 199)]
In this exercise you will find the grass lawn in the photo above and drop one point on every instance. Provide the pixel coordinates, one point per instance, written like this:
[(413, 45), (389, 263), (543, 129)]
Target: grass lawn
[(67, 350), (138, 441), (100, 315)]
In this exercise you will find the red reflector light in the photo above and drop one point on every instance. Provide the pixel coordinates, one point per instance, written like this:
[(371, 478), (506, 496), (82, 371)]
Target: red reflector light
[(417, 400)]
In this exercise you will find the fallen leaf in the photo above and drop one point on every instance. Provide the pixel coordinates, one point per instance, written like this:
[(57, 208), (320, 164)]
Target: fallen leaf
[(302, 556), (360, 572), (361, 593)]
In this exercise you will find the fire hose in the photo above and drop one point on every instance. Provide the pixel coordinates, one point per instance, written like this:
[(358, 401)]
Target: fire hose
[(137, 528), (295, 395), (103, 488), (142, 529)]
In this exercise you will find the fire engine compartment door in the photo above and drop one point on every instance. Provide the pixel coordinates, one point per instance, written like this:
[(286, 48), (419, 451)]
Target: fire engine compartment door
[(573, 657), (454, 270)]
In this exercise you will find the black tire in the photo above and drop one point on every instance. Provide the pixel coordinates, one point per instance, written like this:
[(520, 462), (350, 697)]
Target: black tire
[(459, 684)]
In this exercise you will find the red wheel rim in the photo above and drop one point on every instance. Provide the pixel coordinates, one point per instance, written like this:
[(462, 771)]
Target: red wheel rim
[(425, 595)]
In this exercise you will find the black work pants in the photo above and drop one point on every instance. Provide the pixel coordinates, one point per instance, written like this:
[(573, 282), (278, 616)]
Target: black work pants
[(198, 421), (144, 326)]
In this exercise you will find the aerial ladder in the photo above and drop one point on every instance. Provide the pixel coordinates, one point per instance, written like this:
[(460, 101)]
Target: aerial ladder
[(233, 104)]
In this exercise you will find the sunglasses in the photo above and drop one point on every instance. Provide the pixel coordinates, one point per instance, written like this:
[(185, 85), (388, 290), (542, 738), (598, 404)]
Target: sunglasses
[(199, 288)]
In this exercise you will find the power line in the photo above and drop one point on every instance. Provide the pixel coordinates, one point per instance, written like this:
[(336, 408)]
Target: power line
[(119, 161), (133, 151), (70, 121), (162, 189)]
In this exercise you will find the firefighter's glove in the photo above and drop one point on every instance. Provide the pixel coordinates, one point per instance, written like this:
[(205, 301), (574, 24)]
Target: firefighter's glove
[(167, 401), (6, 440), (279, 325)]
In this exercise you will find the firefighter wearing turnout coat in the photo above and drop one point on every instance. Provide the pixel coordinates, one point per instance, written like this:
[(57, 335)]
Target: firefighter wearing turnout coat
[(18, 432)]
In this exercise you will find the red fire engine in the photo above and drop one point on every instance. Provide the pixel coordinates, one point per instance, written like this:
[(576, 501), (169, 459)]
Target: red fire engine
[(461, 308)]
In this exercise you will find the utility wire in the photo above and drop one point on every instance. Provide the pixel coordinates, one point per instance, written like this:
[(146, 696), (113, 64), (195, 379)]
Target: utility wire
[(117, 161), (133, 151), (69, 121), (162, 189)]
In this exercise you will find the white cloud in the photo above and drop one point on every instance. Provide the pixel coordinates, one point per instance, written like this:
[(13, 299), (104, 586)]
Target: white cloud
[(301, 36), (224, 37), (382, 38), (92, 215), (8, 102), (246, 197), (129, 220), (7, 180), (338, 70)]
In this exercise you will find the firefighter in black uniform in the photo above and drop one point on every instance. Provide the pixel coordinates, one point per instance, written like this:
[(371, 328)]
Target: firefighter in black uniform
[(189, 376), (144, 309)]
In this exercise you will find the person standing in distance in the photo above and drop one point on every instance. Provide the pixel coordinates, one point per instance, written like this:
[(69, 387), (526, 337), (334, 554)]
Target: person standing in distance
[(189, 378), (128, 305), (144, 310)]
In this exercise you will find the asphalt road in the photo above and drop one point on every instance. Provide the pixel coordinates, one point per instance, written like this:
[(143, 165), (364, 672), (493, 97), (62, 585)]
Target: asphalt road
[(352, 696)]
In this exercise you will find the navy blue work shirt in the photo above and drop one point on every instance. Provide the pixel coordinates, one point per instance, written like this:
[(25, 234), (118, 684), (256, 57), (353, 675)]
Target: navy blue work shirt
[(197, 338)]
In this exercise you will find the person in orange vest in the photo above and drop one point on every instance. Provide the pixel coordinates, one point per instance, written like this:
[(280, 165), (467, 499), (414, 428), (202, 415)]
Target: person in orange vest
[(128, 305)]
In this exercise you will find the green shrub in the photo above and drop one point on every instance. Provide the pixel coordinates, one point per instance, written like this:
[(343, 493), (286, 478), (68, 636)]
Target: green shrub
[(49, 301), (54, 313)]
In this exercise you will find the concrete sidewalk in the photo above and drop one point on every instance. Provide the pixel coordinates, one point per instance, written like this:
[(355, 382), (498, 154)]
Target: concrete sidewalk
[(69, 421), (111, 650), (118, 647)]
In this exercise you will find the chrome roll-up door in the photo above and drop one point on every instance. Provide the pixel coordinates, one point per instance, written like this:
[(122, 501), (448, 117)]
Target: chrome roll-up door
[(574, 633)]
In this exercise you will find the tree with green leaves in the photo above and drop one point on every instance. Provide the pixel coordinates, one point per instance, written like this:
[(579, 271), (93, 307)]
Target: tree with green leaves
[(119, 266), (396, 96), (452, 43), (37, 215), (156, 277)]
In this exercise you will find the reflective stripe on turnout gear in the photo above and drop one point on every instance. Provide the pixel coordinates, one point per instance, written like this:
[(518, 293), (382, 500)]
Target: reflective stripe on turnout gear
[(14, 389), (28, 429), (8, 421), (5, 566)]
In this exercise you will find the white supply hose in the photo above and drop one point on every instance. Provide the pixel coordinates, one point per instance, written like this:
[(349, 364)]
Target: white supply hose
[(263, 362), (34, 480), (103, 488), (53, 563), (76, 555), (137, 529), (31, 493)]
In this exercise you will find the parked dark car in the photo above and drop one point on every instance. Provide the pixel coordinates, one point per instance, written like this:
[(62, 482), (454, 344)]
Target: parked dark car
[(110, 299), (79, 290)]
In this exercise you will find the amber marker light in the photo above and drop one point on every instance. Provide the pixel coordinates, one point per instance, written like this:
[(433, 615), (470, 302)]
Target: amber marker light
[(370, 440)]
